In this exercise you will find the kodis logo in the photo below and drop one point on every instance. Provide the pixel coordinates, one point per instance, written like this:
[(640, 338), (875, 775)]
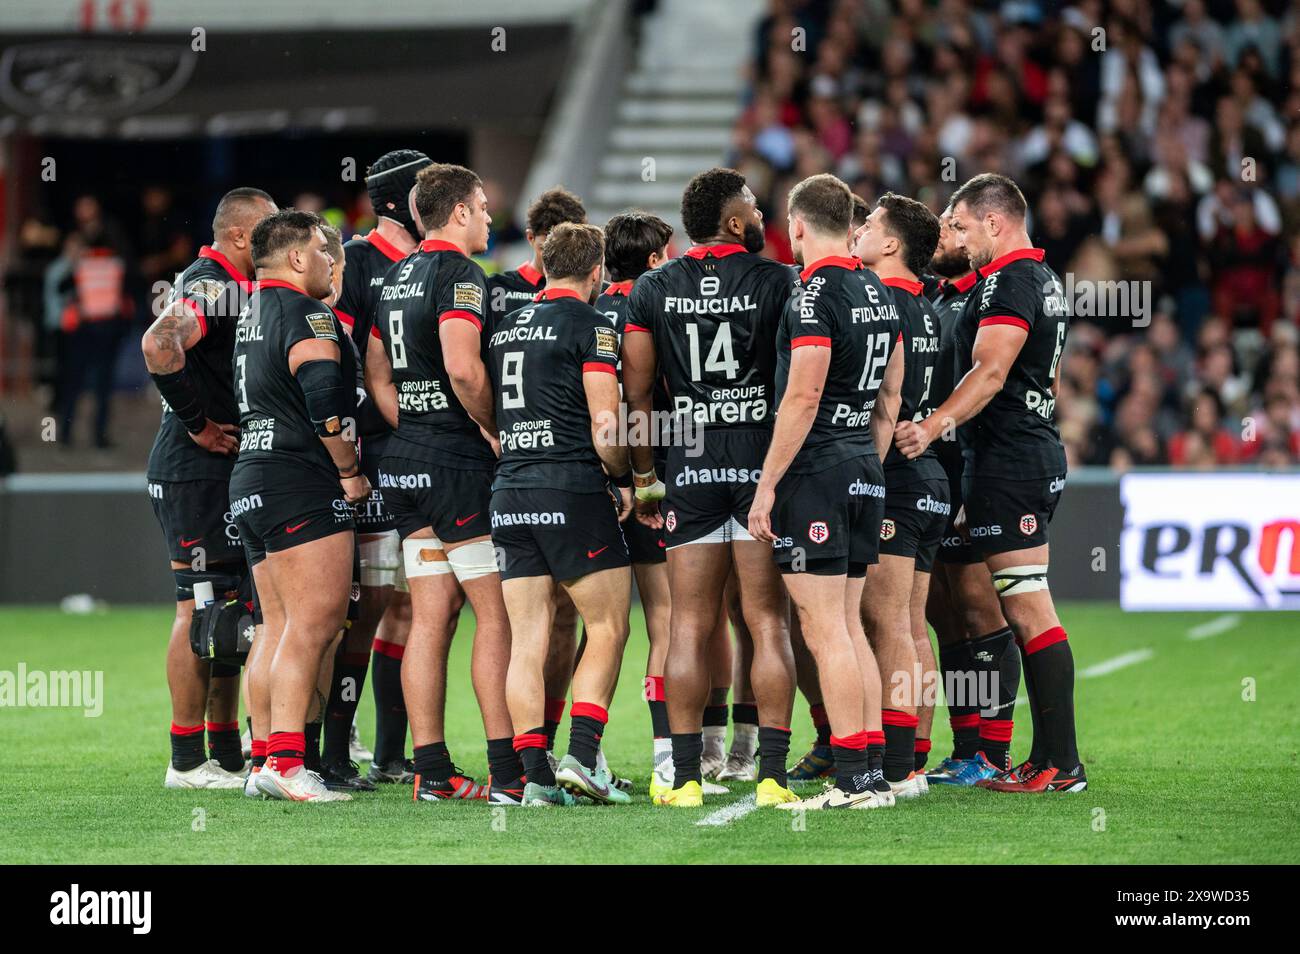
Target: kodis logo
[(1210, 541)]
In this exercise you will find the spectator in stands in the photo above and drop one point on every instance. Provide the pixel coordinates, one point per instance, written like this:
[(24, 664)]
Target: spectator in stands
[(1205, 440)]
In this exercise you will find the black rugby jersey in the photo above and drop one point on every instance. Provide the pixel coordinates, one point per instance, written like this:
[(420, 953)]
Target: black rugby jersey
[(949, 300), (437, 283), (1015, 435), (368, 258), (714, 314), (613, 304), (922, 338), (843, 306), (512, 289), (275, 425), (537, 356), (216, 293)]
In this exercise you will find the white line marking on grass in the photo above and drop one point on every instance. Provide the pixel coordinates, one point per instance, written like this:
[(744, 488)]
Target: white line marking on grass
[(730, 813), (1107, 666), (1220, 624)]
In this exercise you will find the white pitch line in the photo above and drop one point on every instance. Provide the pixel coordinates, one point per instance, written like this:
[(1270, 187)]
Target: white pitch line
[(1220, 624), (730, 813), (1107, 666)]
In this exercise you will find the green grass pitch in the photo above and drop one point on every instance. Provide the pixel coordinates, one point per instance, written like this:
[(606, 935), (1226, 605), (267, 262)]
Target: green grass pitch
[(1191, 756)]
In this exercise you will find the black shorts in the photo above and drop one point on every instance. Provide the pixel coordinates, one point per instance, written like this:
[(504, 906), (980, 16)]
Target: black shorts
[(196, 520), (914, 521), (1005, 515), (828, 523), (644, 545), (555, 533), (953, 547), (271, 522), (712, 485), (372, 516), (455, 503)]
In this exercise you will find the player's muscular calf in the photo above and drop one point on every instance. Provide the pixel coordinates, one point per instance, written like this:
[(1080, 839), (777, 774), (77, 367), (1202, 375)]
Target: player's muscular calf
[(974, 599), (821, 604), (530, 603), (766, 612), (435, 603), (886, 610), (602, 599), (491, 653), (696, 575)]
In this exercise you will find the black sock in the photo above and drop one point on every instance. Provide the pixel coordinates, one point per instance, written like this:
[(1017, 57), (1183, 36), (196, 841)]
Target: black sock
[(554, 713), (822, 723), (311, 733), (715, 715), (957, 665), (225, 747), (345, 694), (1038, 747), (1001, 657), (659, 719), (773, 752), (534, 761), (922, 751), (744, 713), (187, 748), (390, 704), (433, 761), (876, 757), (851, 769), (1049, 658), (586, 726), (687, 749), (503, 763), (900, 745)]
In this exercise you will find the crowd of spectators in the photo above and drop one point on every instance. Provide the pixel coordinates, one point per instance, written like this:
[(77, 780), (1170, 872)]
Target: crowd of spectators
[(1157, 142)]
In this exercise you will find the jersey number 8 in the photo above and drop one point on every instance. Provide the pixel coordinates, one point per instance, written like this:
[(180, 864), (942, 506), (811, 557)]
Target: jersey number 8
[(396, 345)]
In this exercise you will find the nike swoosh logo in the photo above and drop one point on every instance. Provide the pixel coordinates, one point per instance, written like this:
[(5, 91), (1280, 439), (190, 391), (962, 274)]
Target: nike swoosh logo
[(461, 521), (592, 554), (296, 528), (190, 543)]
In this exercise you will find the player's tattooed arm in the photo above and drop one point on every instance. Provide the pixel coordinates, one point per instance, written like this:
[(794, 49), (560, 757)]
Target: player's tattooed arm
[(379, 382), (884, 413), (172, 333), (809, 366), (995, 351)]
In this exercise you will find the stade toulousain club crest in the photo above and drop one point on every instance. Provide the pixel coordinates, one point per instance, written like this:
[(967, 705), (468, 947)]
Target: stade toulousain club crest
[(670, 521), (818, 532), (83, 78), (1028, 524), (887, 529)]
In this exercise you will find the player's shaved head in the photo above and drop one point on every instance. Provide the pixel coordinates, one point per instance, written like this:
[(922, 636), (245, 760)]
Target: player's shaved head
[(441, 187), (991, 192), (281, 231), (241, 208), (572, 250), (915, 227), (554, 207), (824, 203)]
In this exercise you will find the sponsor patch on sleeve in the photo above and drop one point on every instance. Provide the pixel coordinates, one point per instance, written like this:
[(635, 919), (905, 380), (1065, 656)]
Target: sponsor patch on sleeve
[(205, 289), (606, 343), (468, 296), (321, 324)]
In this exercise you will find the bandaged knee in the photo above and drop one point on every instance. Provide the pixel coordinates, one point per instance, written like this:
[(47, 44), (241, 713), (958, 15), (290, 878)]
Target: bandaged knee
[(1015, 580), (473, 560), (379, 559), (424, 556)]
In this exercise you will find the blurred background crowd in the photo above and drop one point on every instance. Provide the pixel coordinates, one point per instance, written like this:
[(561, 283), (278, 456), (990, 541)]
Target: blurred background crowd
[(1157, 142)]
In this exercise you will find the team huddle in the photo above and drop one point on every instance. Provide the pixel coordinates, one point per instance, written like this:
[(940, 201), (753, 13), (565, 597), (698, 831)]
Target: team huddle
[(806, 468)]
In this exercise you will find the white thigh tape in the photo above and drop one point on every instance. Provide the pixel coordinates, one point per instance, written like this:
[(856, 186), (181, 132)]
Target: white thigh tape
[(424, 557), (1015, 580), (379, 559), (473, 560)]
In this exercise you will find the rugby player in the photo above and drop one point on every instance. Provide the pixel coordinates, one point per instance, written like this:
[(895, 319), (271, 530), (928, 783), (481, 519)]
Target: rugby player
[(436, 475), (707, 322), (962, 606), (293, 486), (1009, 341), (896, 242), (555, 516), (820, 498), (389, 182), (187, 351), (508, 291)]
